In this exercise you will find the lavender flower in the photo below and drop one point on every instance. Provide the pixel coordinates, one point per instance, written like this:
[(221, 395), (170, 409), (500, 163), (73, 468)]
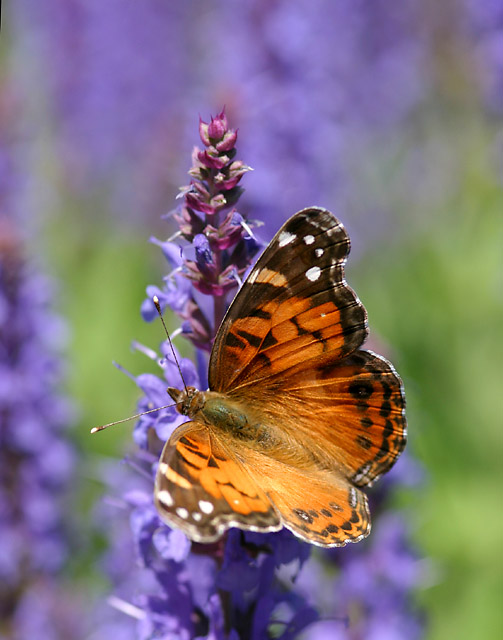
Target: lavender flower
[(246, 585), (36, 458), (120, 117), (347, 74)]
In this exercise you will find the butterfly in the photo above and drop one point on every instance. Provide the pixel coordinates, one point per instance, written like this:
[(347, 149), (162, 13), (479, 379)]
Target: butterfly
[(298, 419)]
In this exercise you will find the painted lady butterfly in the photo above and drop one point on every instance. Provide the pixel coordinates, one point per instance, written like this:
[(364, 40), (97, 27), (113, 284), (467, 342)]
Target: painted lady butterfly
[(297, 419)]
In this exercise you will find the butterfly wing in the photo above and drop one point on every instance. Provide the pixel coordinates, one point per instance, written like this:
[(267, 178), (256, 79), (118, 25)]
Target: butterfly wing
[(320, 507), (203, 489), (289, 344), (331, 416), (350, 412), (295, 306), (206, 485)]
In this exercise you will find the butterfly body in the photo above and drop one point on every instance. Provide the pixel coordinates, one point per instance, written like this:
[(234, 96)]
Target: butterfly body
[(220, 413), (297, 418)]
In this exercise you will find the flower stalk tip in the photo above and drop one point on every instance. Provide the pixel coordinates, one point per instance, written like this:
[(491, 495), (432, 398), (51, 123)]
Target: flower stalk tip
[(220, 250)]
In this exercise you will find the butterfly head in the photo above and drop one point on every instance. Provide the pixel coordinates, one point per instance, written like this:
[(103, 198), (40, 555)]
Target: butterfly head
[(188, 401)]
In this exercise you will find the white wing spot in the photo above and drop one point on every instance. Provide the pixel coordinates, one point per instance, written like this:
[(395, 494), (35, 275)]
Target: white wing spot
[(319, 252), (285, 237), (206, 507), (313, 273), (309, 239), (363, 472), (197, 516), (183, 513), (253, 276), (352, 497), (165, 497), (322, 315)]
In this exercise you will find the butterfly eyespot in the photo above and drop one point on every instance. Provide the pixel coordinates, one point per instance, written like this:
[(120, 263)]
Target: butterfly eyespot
[(361, 390), (313, 273), (309, 239)]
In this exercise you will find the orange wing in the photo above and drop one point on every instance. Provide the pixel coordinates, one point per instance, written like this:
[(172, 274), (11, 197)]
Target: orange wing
[(321, 508), (288, 345), (202, 488), (205, 486), (295, 306), (349, 414)]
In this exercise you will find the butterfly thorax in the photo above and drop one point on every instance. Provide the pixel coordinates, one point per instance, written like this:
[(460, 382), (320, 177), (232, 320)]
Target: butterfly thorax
[(217, 410)]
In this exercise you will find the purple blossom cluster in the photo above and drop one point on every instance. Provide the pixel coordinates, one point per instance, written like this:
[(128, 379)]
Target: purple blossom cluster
[(247, 585), (484, 28), (221, 242), (36, 457), (345, 72)]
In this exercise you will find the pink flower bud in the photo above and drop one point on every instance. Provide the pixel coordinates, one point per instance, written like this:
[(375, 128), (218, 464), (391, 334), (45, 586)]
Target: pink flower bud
[(228, 142), (216, 129), (213, 162), (203, 132)]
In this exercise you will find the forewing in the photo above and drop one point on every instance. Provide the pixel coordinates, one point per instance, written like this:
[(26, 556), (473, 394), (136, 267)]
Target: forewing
[(202, 488), (294, 307)]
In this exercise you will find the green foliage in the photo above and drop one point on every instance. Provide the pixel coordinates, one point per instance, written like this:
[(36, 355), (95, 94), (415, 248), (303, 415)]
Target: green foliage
[(436, 298)]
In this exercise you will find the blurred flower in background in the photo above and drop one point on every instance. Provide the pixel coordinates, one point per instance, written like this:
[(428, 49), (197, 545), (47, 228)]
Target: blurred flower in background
[(121, 86), (37, 458), (387, 113)]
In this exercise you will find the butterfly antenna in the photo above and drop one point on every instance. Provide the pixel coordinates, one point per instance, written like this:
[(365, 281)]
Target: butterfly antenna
[(138, 415), (155, 300)]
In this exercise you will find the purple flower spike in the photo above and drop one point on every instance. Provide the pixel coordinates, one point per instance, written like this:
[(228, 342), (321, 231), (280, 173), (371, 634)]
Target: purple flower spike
[(220, 237), (37, 460)]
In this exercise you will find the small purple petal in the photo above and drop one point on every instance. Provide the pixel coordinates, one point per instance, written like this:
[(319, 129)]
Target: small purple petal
[(171, 544)]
